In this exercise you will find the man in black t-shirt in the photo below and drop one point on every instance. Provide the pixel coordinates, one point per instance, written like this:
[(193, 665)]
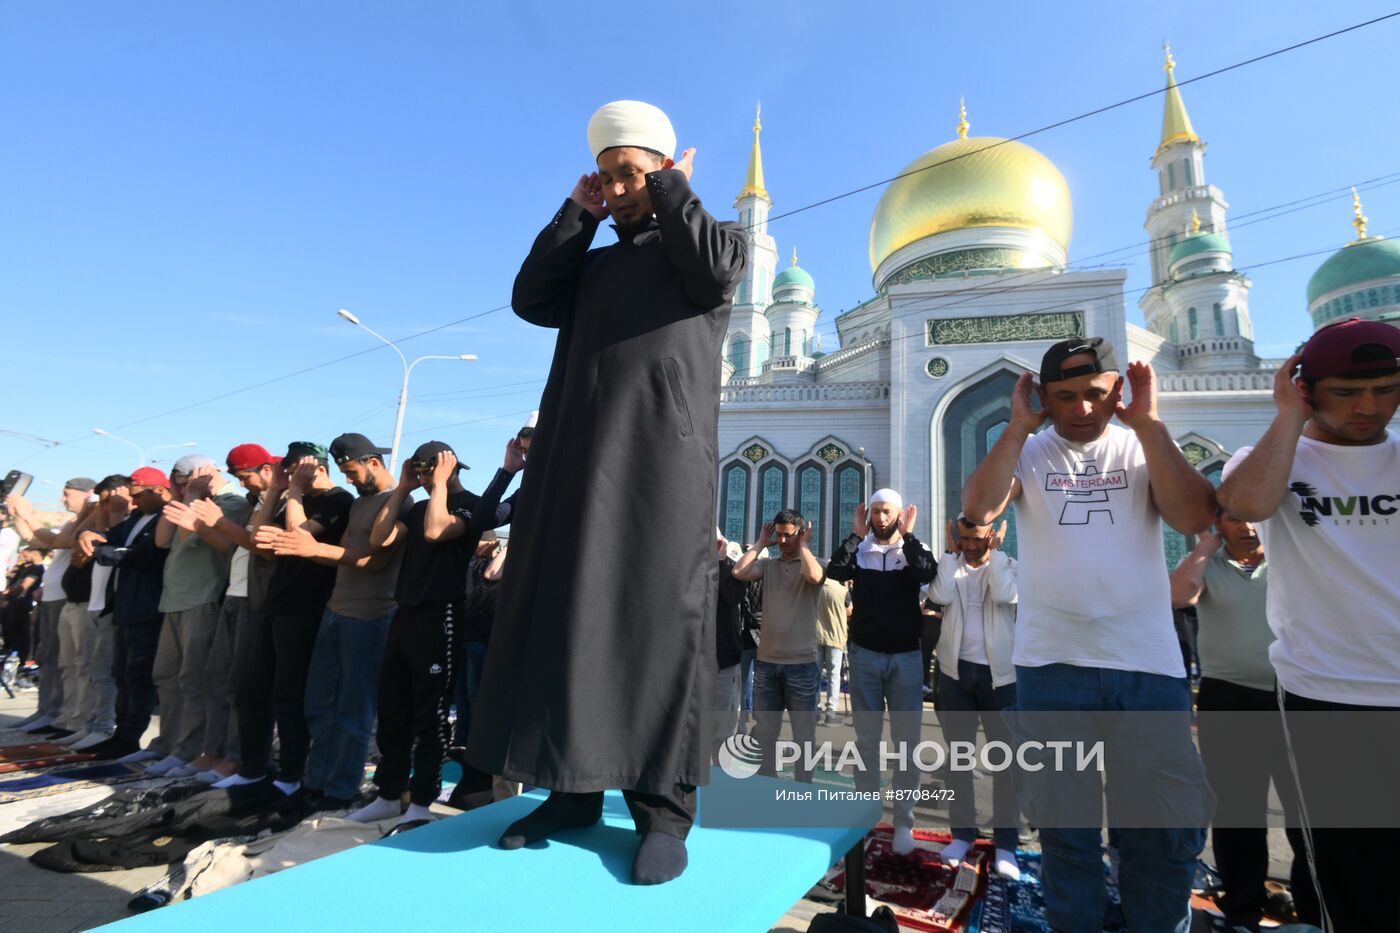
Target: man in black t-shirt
[(440, 537), (274, 663), (20, 592)]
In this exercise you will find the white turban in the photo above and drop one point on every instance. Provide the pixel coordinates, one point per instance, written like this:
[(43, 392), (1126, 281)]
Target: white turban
[(631, 123), (888, 496)]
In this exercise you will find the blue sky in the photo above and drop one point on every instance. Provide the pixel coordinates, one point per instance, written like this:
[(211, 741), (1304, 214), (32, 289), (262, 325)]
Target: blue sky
[(191, 191)]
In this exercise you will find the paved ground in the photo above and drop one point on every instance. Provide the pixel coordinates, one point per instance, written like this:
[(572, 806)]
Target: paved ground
[(35, 900)]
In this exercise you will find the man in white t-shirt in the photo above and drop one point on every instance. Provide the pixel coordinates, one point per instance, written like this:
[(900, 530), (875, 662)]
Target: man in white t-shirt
[(1094, 628), (1323, 485)]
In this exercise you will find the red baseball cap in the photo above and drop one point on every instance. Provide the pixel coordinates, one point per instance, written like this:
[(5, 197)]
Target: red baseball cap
[(149, 476), (1345, 348), (248, 457)]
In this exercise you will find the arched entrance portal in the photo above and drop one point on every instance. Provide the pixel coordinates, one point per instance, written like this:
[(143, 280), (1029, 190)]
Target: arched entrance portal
[(971, 425)]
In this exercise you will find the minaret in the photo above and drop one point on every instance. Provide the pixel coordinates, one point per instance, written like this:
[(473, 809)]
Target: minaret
[(1183, 193), (747, 344), (792, 317)]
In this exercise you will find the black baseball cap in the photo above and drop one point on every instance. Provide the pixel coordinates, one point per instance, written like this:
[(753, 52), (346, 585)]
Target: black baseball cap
[(427, 454), (298, 450), (355, 447), (1052, 364)]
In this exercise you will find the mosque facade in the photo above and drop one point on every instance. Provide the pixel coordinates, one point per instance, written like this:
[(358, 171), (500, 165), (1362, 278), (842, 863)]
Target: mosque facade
[(969, 255)]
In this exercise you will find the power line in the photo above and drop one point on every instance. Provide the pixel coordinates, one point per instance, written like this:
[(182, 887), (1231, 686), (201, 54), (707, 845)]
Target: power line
[(1091, 113), (815, 204)]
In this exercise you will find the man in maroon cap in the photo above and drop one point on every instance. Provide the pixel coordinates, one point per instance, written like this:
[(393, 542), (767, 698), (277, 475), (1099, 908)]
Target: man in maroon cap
[(1323, 487), (133, 595)]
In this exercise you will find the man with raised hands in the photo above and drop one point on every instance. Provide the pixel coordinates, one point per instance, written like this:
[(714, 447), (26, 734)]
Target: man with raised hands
[(1094, 628), (627, 444), (888, 566)]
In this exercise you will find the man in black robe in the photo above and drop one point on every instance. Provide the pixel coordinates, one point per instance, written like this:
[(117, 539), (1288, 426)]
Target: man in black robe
[(602, 658)]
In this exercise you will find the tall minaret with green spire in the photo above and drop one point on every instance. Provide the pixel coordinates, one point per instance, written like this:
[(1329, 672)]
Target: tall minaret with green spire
[(747, 344), (1187, 207)]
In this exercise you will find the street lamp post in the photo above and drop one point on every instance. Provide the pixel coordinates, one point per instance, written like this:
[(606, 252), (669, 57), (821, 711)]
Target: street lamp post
[(403, 391), (145, 453)]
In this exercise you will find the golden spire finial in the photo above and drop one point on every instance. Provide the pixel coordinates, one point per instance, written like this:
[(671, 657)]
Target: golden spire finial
[(1358, 220), (962, 118), (1195, 222), (1170, 65), (753, 178), (794, 257)]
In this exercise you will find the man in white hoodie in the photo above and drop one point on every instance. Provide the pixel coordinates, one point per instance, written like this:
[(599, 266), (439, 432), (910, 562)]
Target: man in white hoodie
[(976, 585)]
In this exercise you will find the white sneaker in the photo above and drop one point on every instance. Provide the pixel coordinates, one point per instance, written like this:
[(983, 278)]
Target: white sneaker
[(165, 765), (138, 756), (89, 740)]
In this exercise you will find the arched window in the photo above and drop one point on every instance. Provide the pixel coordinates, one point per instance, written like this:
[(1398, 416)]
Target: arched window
[(1219, 319), (739, 354), (811, 492), (1186, 172), (1171, 330), (772, 494), (787, 341), (734, 500), (1193, 327), (849, 480), (1171, 176)]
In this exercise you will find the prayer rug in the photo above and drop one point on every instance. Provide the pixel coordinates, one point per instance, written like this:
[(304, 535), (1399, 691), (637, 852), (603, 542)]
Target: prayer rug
[(45, 761), (29, 752), (27, 785), (1019, 906), (924, 893)]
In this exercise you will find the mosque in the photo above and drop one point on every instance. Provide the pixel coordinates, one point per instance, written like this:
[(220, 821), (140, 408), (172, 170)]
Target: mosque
[(968, 250)]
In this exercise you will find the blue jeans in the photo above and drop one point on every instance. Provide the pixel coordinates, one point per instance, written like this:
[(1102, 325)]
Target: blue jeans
[(960, 700), (473, 661), (746, 659), (791, 687), (341, 692), (1157, 865), (895, 682)]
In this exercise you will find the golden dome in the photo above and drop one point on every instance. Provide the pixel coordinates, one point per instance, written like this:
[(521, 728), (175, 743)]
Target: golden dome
[(979, 182)]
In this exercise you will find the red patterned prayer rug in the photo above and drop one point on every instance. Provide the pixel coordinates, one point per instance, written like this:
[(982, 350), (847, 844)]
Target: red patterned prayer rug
[(30, 752), (924, 893)]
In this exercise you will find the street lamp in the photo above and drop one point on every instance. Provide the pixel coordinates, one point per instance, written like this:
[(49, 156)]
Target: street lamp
[(144, 452), (407, 370)]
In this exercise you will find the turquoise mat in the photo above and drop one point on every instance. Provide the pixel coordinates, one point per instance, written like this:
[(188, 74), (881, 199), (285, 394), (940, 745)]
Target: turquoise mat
[(450, 876)]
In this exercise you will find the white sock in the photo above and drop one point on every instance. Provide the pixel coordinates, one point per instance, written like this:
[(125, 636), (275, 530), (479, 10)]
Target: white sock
[(415, 812), (1006, 865), (43, 722), (88, 741), (166, 764), (380, 808), (138, 756), (954, 852), (287, 787), (903, 840), (236, 780)]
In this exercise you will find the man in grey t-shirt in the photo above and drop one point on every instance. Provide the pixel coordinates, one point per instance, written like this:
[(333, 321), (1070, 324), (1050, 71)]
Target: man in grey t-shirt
[(786, 673), (1226, 578), (342, 685)]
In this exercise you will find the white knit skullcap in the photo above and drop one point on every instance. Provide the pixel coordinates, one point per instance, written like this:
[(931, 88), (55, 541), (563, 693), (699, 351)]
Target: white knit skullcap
[(631, 123), (888, 496), (533, 420)]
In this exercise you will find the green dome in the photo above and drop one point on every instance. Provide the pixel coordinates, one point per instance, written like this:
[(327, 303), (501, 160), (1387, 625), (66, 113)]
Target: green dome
[(794, 275), (1200, 243), (1357, 262)]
